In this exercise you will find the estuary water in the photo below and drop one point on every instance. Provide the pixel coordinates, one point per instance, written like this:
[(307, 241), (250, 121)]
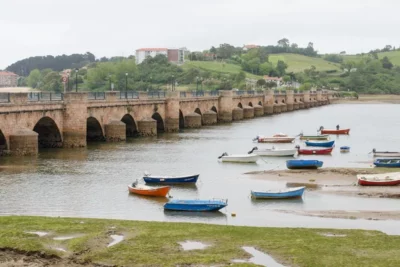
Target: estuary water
[(92, 182)]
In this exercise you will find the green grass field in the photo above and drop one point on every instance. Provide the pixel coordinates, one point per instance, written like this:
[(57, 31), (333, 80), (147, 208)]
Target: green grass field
[(215, 66), (298, 63), (156, 243), (394, 57)]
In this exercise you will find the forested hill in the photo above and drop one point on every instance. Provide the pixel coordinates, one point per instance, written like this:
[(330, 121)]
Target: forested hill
[(57, 63)]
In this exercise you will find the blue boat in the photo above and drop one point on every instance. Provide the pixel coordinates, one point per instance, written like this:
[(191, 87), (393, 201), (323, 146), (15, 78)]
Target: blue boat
[(303, 164), (157, 179), (344, 149), (321, 144), (275, 194), (196, 205), (389, 163)]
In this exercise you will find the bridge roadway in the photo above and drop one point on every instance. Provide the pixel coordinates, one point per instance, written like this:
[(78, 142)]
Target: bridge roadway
[(30, 121)]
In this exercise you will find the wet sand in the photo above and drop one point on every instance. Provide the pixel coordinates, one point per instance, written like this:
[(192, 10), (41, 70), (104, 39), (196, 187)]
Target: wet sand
[(331, 180), (343, 214), (369, 99)]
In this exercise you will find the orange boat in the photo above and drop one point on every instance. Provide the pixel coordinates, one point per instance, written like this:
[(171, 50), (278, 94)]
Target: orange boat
[(145, 190), (332, 131)]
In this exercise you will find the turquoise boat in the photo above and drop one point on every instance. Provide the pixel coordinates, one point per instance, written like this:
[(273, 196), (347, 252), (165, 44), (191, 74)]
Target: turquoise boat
[(321, 144), (196, 205), (279, 194), (303, 164)]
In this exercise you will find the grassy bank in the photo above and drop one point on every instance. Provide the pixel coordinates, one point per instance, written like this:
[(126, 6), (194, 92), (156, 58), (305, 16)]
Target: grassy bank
[(156, 243)]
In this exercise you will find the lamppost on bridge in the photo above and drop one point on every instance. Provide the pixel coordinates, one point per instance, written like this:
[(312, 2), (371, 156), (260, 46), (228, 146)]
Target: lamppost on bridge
[(109, 80), (197, 83), (126, 81), (76, 80), (201, 83), (173, 83)]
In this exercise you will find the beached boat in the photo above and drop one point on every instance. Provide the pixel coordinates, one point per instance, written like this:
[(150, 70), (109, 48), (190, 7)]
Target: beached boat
[(344, 149), (196, 205), (303, 164), (241, 158), (317, 151), (314, 137), (144, 190), (320, 144), (273, 152), (385, 179), (277, 194), (159, 179), (385, 153), (389, 163), (277, 138), (334, 131)]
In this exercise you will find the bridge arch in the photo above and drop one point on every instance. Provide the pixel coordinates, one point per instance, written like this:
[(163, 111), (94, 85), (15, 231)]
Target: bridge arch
[(276, 101), (3, 143), (49, 135), (160, 122), (181, 120), (214, 109), (283, 101), (240, 105), (260, 103), (94, 132), (131, 128), (198, 111), (250, 104), (295, 100)]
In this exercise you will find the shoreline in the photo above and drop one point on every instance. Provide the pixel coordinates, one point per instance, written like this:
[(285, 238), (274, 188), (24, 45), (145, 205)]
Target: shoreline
[(369, 99)]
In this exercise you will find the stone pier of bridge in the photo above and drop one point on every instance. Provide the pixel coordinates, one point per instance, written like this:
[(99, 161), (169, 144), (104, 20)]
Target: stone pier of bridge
[(71, 120)]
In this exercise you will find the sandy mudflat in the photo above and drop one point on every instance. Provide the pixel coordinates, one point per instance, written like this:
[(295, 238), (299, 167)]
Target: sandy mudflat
[(369, 99), (330, 180), (343, 214)]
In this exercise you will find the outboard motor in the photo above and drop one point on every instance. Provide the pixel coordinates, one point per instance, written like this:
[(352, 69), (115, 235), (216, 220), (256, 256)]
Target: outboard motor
[(256, 139), (374, 150), (134, 184), (251, 151), (320, 128), (224, 154), (337, 127), (297, 147)]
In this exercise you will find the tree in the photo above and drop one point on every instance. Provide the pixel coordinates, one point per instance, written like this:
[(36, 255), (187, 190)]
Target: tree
[(34, 78), (343, 52), (240, 77), (266, 68), (271, 84), (213, 50), (284, 42), (387, 48), (261, 82), (225, 51), (52, 82), (294, 46), (287, 78), (386, 63), (281, 67)]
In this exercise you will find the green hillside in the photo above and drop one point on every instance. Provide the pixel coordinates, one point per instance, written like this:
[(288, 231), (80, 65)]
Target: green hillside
[(216, 66), (298, 63), (394, 57)]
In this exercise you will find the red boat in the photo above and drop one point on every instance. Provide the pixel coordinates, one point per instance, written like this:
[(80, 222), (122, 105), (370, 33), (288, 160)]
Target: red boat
[(307, 151), (331, 131), (379, 179)]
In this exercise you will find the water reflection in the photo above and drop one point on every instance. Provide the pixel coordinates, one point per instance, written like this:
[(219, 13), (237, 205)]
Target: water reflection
[(178, 215)]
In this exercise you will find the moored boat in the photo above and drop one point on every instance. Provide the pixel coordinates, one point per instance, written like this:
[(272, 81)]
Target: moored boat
[(196, 205), (317, 151), (144, 190), (277, 138), (314, 137), (334, 131), (159, 179), (321, 144), (303, 164), (279, 194), (344, 149), (385, 153), (273, 152), (385, 179), (241, 158), (389, 163)]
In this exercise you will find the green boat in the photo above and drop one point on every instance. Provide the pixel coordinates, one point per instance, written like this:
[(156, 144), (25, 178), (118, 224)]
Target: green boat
[(314, 137)]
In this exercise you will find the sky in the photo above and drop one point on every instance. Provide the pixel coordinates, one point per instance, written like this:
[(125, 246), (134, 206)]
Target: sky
[(119, 27)]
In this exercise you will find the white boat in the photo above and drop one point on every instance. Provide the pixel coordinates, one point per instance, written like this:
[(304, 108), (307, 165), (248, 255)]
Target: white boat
[(243, 158), (383, 179), (385, 153), (274, 152), (277, 138)]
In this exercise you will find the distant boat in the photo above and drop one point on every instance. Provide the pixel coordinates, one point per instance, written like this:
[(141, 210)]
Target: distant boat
[(303, 164), (196, 205), (159, 179), (321, 144), (276, 138), (389, 163), (385, 179), (344, 149), (317, 151), (241, 158), (144, 190), (276, 194), (274, 152), (385, 153), (334, 131), (314, 137)]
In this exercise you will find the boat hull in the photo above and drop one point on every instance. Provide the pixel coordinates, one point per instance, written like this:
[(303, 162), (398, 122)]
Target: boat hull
[(332, 131), (154, 192), (314, 137), (283, 194), (303, 164), (384, 179), (241, 159), (321, 144), (315, 151), (276, 140), (276, 152), (393, 163), (187, 205), (191, 179), (378, 183), (386, 154)]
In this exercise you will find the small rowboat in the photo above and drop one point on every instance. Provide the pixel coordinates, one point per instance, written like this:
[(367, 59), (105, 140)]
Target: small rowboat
[(321, 144), (390, 163), (334, 131), (273, 152), (148, 191), (386, 179), (277, 138), (242, 158), (318, 151), (196, 205), (314, 137), (344, 149), (385, 153), (279, 194), (157, 179), (303, 164)]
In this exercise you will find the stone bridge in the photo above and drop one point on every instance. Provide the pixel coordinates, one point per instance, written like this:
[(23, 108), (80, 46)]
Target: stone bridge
[(30, 121)]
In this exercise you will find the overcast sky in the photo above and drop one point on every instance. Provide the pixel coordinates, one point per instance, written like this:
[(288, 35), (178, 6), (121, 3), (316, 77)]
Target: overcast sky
[(119, 27)]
